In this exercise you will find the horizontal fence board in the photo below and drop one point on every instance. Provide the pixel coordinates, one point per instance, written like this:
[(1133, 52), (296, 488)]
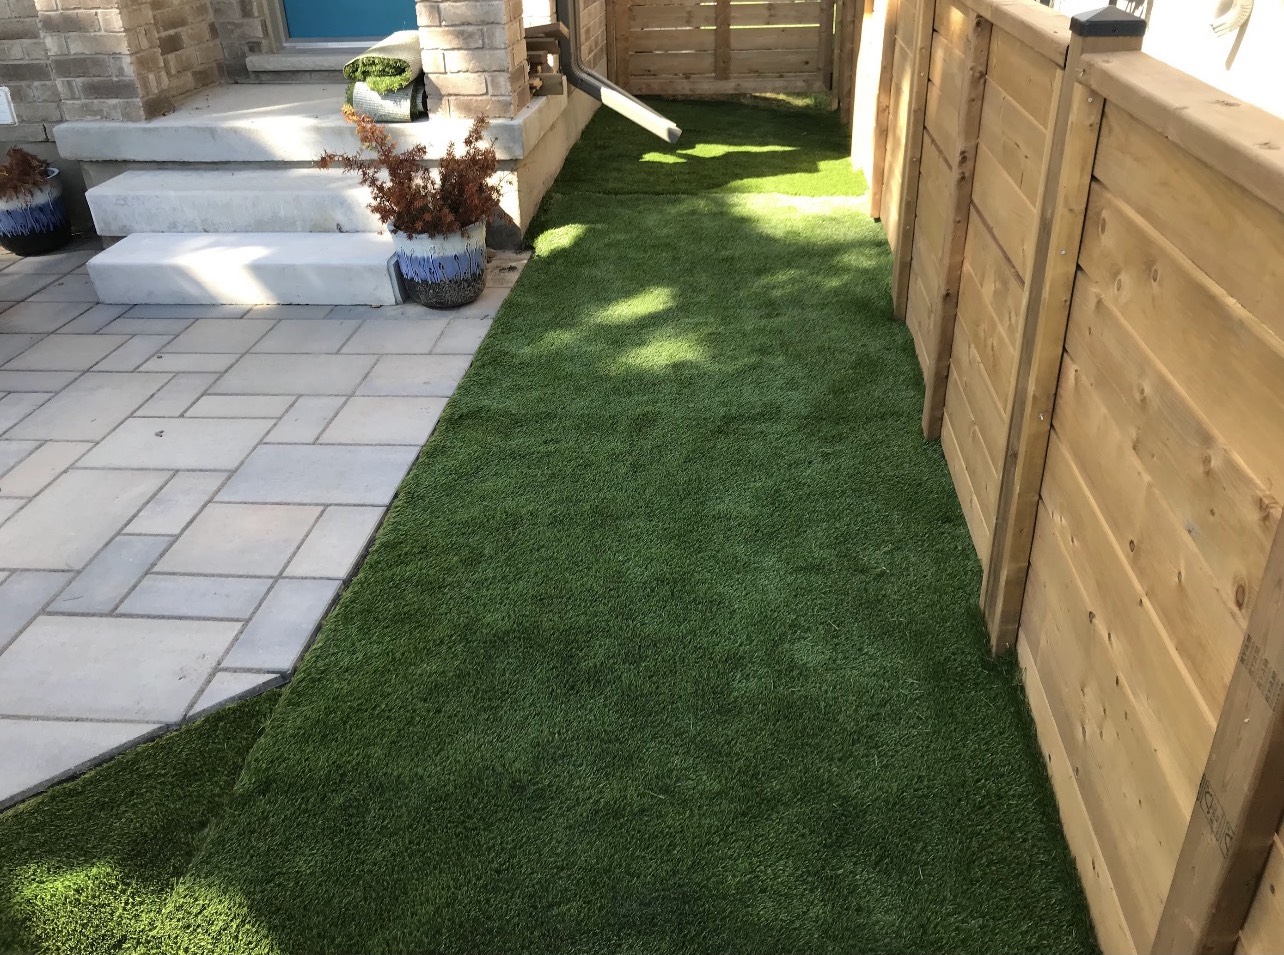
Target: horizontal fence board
[(941, 121), (976, 317), (952, 24), (671, 64), (1171, 707), (671, 17), (670, 41), (1098, 886), (945, 69), (933, 201), (1178, 583), (709, 86), (773, 61), (1202, 339), (1043, 30), (1027, 79), (973, 515), (927, 266), (995, 294), (1137, 821), (906, 23), (1016, 140), (986, 411), (918, 315), (776, 14), (775, 38), (1005, 209), (1226, 231)]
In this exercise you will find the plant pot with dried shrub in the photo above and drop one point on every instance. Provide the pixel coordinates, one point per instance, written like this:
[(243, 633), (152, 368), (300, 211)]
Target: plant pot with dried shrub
[(33, 217), (437, 217)]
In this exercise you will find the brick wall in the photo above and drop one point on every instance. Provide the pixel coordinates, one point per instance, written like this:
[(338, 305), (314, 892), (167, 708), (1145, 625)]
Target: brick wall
[(242, 31), (593, 34), (474, 56), (188, 40), (25, 69)]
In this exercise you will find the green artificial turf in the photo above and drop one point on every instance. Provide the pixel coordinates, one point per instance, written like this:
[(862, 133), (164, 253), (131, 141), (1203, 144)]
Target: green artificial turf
[(725, 147), (87, 867), (668, 645)]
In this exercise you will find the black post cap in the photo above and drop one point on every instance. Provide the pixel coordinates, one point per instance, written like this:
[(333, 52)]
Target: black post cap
[(1108, 21)]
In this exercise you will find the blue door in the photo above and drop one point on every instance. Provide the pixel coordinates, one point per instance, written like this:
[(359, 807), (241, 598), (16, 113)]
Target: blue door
[(347, 19)]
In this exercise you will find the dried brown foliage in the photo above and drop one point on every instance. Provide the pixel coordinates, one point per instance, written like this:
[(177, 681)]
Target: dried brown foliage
[(415, 200), (22, 174)]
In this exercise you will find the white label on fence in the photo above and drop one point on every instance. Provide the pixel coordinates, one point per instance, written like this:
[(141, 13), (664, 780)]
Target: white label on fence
[(7, 117)]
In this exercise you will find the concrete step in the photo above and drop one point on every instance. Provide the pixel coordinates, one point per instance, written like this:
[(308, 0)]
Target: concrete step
[(261, 268), (307, 65), (276, 200)]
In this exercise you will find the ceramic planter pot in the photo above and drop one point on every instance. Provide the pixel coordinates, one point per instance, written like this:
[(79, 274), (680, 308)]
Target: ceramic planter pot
[(36, 224), (443, 271)]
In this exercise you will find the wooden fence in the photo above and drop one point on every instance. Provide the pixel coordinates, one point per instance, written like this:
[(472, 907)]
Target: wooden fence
[(720, 47), (1088, 251)]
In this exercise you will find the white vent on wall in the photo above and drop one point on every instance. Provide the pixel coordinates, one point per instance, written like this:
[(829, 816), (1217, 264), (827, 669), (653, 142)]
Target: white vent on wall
[(7, 115)]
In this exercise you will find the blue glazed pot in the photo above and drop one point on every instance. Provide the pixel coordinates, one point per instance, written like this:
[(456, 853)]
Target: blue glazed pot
[(443, 271), (36, 224)]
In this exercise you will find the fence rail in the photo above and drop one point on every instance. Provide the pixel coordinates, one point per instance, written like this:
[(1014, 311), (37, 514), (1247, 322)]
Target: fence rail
[(1086, 251)]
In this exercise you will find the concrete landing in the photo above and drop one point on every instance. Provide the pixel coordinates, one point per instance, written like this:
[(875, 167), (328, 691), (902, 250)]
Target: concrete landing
[(247, 269)]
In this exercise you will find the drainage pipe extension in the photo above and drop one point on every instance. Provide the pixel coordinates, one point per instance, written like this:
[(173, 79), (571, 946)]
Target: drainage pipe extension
[(598, 86)]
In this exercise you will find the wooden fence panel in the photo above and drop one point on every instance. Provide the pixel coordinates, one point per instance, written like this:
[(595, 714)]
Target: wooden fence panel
[(711, 47)]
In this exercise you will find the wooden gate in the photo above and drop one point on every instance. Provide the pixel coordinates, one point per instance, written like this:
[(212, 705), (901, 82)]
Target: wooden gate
[(690, 47)]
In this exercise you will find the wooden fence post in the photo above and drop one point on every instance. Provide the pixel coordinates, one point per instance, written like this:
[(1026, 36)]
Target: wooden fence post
[(1063, 196), (976, 58), (903, 249), (883, 110), (1241, 794), (619, 71), (829, 39)]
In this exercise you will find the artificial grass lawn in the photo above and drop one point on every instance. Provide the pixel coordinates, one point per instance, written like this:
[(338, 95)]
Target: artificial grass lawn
[(667, 645)]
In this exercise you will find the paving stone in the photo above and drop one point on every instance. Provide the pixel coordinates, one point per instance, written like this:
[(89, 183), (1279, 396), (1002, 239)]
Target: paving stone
[(290, 312), (229, 686), (384, 312), (59, 263), (22, 596), (35, 754), (305, 420), (336, 543), (8, 507), (426, 375), (307, 336), (486, 306), (64, 526), (41, 467), (69, 288), (463, 336), (102, 585), (146, 326), (240, 406), (15, 407), (284, 626), (175, 444), (11, 346), (133, 353), (384, 421), (396, 337), (110, 668), (178, 395), (36, 380), (318, 474), (187, 311), (170, 360), (222, 335), (210, 598), (294, 375), (66, 353), (17, 287), (89, 409), (11, 452), (503, 272), (41, 317), (246, 539), (177, 503), (93, 320)]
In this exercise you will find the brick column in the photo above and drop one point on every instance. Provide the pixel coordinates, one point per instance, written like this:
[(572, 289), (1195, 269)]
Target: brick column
[(106, 58), (25, 69), (474, 57)]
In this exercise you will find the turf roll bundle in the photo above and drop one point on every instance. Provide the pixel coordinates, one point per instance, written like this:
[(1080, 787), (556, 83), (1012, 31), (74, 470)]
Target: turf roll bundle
[(386, 82)]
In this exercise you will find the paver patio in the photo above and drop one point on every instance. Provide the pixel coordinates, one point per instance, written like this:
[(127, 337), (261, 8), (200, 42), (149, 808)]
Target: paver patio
[(184, 491)]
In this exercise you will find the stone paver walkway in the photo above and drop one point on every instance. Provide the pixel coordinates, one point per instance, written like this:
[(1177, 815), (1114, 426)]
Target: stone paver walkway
[(184, 491)]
